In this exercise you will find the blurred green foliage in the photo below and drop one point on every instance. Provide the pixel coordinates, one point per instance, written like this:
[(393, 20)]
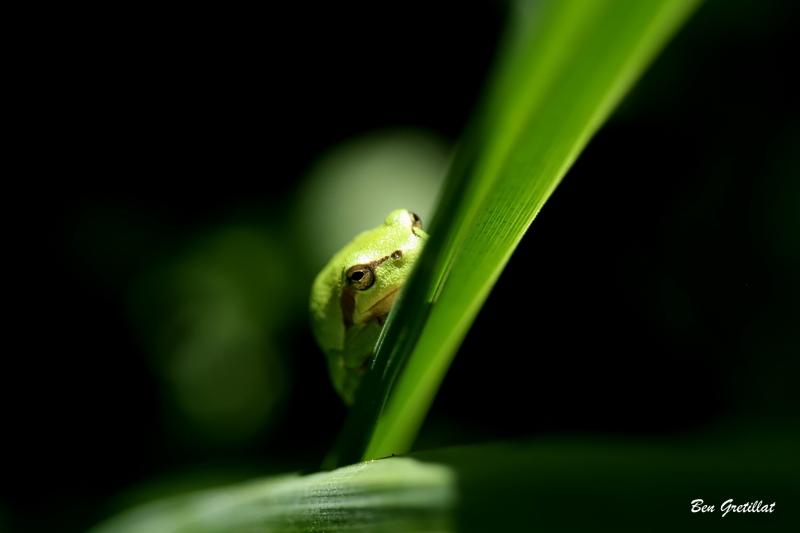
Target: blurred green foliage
[(210, 318), (355, 184)]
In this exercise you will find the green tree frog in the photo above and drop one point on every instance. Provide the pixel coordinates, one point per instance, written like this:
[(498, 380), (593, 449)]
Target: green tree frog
[(352, 296)]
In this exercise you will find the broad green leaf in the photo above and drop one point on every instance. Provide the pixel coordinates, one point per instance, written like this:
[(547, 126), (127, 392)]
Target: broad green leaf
[(562, 69), (555, 484), (401, 494)]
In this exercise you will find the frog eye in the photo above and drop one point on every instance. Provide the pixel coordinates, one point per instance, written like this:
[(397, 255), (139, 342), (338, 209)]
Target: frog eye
[(416, 222), (360, 277)]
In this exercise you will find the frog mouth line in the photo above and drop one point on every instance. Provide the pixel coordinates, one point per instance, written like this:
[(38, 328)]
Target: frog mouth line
[(383, 306)]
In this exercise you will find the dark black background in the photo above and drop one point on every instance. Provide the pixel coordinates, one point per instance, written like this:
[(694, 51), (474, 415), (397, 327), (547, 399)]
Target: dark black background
[(669, 252)]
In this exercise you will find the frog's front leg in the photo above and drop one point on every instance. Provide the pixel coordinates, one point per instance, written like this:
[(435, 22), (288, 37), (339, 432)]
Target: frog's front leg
[(352, 362)]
